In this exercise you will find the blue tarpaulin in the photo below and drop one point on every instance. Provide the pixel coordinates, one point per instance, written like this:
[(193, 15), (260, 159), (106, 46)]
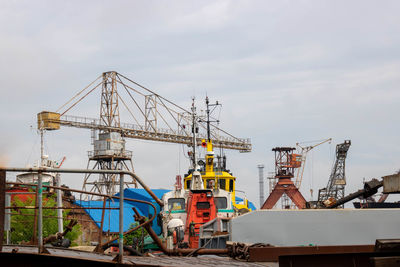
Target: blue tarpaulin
[(111, 217), (251, 205), (147, 210)]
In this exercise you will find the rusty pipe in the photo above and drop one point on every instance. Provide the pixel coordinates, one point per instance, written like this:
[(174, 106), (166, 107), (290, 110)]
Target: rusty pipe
[(78, 191), (102, 195), (44, 169), (178, 251)]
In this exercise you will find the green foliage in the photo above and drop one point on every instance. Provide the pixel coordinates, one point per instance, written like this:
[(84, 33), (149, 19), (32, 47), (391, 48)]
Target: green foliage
[(135, 238), (22, 221)]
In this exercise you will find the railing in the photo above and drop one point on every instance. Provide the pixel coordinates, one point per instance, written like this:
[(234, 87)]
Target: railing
[(157, 134), (110, 152), (40, 208)]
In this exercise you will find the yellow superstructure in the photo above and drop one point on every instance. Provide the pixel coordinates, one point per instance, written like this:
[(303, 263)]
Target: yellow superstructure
[(217, 179)]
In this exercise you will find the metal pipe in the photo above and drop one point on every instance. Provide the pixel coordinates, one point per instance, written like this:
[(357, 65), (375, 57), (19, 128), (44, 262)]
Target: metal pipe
[(143, 223), (59, 205), (39, 170), (121, 217), (40, 212), (370, 188), (59, 208), (178, 251), (90, 193), (44, 169), (7, 226), (34, 234), (183, 251), (2, 205), (102, 221), (137, 227)]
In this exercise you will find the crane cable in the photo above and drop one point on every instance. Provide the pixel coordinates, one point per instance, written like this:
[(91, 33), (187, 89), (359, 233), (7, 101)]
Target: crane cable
[(69, 101)]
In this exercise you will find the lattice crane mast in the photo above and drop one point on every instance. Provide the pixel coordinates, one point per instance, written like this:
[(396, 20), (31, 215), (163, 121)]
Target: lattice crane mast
[(155, 118), (337, 180)]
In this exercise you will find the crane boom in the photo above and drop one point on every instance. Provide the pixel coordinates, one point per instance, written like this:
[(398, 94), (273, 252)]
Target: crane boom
[(304, 151), (153, 109), (137, 132)]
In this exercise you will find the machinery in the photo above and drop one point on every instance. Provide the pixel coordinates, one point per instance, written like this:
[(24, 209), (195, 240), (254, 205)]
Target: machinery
[(390, 184), (337, 180), (213, 172), (285, 164), (201, 208), (155, 118), (300, 171)]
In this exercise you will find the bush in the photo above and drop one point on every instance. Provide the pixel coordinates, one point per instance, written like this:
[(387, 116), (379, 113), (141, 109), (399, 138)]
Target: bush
[(22, 221), (135, 239)]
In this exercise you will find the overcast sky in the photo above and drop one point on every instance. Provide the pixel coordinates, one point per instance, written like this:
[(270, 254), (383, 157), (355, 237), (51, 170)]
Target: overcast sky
[(284, 71)]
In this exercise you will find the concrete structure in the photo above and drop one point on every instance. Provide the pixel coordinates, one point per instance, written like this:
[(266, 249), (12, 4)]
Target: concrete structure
[(317, 227)]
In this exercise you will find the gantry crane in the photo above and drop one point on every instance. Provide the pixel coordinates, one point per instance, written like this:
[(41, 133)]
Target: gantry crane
[(285, 164), (302, 156), (337, 180), (155, 117)]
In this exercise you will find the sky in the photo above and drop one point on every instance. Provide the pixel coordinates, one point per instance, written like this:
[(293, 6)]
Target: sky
[(284, 71)]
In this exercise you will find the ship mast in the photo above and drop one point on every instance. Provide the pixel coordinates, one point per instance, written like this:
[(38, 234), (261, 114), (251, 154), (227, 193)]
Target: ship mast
[(194, 131), (208, 111)]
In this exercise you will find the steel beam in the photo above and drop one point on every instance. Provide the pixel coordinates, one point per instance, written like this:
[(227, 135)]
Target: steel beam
[(2, 205)]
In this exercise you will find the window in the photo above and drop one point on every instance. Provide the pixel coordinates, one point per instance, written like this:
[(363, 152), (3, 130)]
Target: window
[(231, 185), (188, 184), (203, 205), (210, 183), (221, 203), (222, 184), (176, 204)]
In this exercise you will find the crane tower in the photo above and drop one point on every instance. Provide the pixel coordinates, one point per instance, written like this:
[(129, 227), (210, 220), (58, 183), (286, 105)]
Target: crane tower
[(154, 118), (337, 180), (285, 164), (108, 146)]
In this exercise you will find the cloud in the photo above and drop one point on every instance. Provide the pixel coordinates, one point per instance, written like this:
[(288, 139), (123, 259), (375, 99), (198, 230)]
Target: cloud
[(285, 72)]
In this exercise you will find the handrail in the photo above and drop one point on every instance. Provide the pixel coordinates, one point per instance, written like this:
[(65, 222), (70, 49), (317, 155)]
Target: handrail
[(39, 189)]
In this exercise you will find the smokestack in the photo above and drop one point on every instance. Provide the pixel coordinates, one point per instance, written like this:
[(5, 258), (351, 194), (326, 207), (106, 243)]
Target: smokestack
[(261, 181)]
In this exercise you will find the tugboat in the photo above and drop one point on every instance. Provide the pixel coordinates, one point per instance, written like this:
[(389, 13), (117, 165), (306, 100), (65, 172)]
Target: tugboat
[(215, 175), (208, 194)]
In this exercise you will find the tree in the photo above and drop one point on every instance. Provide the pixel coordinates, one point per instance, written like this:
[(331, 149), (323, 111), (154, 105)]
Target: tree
[(135, 239), (22, 221)]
